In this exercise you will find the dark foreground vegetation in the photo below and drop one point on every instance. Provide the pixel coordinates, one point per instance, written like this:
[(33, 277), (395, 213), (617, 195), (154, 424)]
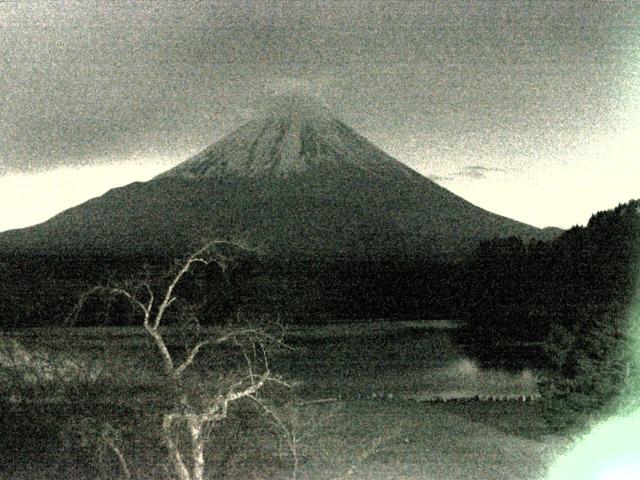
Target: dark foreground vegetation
[(576, 298), (353, 411), (42, 290), (562, 308)]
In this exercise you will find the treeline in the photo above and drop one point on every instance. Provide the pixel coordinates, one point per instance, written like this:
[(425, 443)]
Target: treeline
[(42, 290), (573, 296)]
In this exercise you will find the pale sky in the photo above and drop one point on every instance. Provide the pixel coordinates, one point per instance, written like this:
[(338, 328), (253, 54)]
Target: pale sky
[(528, 109)]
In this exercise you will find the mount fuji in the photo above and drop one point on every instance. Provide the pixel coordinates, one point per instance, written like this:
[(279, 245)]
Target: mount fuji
[(295, 182)]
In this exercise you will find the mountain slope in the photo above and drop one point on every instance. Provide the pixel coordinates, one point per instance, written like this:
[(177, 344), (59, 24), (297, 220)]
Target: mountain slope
[(294, 182), (291, 139)]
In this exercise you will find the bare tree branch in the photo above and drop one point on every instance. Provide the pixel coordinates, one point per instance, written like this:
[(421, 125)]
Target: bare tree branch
[(190, 358), (195, 416), (290, 435), (111, 443), (174, 452), (204, 255)]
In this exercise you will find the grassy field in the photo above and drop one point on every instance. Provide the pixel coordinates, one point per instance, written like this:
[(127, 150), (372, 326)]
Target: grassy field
[(356, 409)]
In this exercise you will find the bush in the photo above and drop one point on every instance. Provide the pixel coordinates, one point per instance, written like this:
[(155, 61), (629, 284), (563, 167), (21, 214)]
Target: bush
[(588, 368)]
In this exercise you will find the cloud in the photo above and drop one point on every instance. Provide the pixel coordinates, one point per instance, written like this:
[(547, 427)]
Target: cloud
[(477, 171), (439, 178), (294, 86), (468, 172), (274, 90)]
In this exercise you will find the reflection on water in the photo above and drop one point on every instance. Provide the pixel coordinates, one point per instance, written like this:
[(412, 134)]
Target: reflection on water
[(419, 360)]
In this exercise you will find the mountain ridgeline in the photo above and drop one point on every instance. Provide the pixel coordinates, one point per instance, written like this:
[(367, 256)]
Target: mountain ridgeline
[(295, 183)]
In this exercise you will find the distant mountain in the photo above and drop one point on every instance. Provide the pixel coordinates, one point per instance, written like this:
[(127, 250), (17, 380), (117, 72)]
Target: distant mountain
[(296, 182)]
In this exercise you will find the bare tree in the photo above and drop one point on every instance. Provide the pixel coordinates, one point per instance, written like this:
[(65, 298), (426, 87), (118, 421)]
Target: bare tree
[(196, 413)]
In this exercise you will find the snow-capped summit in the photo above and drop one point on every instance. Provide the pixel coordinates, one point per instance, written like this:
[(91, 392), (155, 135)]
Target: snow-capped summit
[(296, 135)]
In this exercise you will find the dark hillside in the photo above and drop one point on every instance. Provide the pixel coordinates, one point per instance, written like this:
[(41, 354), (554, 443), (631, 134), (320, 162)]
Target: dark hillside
[(572, 296), (517, 290)]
